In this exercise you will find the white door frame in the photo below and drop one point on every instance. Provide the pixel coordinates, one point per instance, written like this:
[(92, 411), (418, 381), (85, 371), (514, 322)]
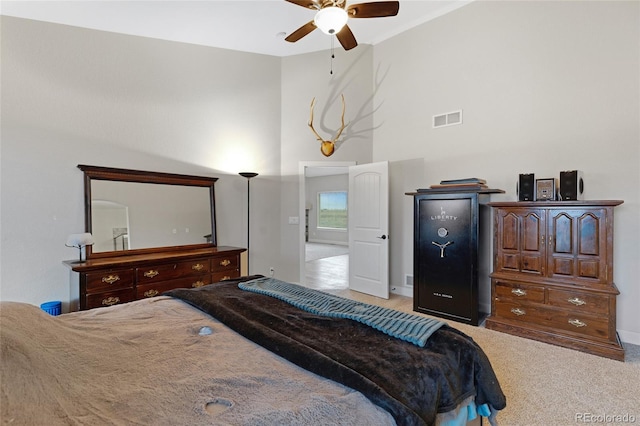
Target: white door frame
[(302, 199)]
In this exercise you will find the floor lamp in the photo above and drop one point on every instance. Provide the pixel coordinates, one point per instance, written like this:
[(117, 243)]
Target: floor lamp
[(248, 175)]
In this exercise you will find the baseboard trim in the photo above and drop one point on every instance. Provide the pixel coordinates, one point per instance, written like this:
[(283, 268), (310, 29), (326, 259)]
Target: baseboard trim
[(402, 290), (629, 337)]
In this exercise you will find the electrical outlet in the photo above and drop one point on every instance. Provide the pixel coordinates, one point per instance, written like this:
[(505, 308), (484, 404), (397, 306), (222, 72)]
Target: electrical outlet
[(271, 271)]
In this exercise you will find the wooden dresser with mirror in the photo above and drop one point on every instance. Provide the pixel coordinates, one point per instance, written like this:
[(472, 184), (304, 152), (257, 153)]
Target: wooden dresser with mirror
[(153, 232)]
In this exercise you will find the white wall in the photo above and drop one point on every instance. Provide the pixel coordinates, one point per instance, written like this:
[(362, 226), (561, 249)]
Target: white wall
[(73, 96), (545, 87)]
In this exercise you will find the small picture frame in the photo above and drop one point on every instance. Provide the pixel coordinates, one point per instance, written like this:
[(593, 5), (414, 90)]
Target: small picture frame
[(546, 189)]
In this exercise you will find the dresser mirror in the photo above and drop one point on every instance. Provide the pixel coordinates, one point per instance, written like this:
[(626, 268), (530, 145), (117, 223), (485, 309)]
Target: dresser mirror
[(133, 211)]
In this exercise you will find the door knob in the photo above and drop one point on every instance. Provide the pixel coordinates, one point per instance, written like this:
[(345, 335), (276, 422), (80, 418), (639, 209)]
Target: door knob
[(383, 237)]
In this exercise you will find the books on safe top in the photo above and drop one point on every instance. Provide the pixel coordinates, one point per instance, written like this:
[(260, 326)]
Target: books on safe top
[(459, 186), (465, 181)]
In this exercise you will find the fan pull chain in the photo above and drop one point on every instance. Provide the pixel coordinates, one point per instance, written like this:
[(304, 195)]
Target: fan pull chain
[(332, 56)]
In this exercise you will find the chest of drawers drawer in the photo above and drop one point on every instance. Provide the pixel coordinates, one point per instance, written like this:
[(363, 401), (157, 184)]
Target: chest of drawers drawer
[(225, 263), (109, 280), (520, 292), (155, 289), (109, 298), (171, 271), (554, 318), (225, 275), (580, 302)]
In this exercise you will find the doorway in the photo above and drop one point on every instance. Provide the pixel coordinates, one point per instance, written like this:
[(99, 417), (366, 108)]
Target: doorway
[(324, 251)]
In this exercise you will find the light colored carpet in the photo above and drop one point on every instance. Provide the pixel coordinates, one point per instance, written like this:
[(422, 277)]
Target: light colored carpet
[(316, 251), (549, 385)]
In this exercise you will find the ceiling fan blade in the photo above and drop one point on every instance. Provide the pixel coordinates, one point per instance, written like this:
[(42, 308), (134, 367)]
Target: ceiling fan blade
[(301, 32), (378, 9), (309, 4), (346, 38)]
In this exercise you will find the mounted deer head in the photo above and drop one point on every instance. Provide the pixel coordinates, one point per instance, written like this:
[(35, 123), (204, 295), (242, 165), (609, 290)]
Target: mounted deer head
[(327, 147)]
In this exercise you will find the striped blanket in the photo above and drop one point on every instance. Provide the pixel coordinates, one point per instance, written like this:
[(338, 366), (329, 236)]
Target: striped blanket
[(411, 328)]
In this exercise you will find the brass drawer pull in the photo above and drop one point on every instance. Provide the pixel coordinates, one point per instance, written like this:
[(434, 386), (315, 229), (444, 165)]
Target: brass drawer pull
[(110, 301), (519, 292), (151, 273), (110, 279), (576, 301), (197, 284), (225, 278), (225, 262), (198, 267), (518, 311), (577, 323), (151, 293)]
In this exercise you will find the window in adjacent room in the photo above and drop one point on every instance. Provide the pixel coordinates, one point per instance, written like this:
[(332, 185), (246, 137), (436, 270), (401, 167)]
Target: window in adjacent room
[(332, 210)]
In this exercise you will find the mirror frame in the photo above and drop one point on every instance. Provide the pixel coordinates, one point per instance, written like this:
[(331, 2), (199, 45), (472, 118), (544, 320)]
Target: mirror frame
[(92, 173)]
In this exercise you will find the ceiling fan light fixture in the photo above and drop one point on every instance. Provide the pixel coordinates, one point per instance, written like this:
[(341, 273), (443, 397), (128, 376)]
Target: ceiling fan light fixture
[(331, 19)]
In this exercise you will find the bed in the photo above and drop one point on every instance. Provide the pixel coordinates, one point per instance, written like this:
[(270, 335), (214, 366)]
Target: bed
[(224, 355)]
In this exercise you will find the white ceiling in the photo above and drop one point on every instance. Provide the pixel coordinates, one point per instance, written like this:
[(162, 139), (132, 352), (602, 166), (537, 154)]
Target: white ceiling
[(257, 26)]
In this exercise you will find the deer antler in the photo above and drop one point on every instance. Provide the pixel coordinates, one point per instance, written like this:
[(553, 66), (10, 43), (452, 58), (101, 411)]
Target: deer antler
[(327, 147)]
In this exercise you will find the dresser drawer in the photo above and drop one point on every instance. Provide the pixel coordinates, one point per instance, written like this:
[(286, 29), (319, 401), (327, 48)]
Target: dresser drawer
[(224, 275), (520, 292), (156, 289), (170, 271), (109, 298), (584, 324), (519, 311), (109, 280), (556, 319), (225, 263), (580, 302)]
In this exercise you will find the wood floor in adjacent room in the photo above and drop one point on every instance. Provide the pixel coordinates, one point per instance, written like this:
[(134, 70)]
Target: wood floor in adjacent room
[(327, 266)]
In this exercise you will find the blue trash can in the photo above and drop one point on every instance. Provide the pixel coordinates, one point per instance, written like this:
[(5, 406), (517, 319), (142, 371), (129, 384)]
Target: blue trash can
[(52, 308)]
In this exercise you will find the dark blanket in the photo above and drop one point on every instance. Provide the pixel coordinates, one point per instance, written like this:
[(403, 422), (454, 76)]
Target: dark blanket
[(410, 382)]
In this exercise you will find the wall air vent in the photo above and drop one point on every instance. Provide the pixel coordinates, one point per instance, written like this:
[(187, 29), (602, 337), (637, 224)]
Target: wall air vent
[(448, 119), (408, 280)]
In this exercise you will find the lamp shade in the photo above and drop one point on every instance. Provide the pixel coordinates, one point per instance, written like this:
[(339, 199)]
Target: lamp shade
[(79, 240), (331, 19)]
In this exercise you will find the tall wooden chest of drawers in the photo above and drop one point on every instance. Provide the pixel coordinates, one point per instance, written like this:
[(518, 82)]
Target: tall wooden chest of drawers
[(552, 274), (113, 280)]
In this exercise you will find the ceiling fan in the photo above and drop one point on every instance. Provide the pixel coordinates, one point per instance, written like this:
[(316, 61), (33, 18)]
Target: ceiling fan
[(332, 16)]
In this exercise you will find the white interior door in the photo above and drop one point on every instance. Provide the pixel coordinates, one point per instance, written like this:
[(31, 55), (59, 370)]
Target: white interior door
[(368, 229)]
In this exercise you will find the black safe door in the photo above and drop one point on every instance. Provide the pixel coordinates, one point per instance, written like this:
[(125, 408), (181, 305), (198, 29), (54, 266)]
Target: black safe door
[(445, 258)]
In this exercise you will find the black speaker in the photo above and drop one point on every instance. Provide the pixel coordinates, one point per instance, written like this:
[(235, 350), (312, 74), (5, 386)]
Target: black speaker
[(527, 187), (571, 185)]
